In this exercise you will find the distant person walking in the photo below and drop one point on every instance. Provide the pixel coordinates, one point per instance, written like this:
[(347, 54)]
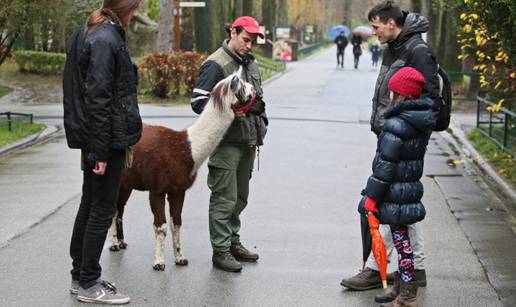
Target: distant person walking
[(341, 41), (101, 117), (375, 54), (356, 41)]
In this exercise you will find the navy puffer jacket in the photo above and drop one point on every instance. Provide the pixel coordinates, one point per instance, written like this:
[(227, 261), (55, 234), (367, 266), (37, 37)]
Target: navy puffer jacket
[(398, 164)]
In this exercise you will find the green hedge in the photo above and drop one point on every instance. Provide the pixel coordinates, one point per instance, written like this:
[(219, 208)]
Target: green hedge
[(40, 62)]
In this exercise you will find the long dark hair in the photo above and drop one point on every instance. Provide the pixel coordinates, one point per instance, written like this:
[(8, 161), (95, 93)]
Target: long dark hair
[(115, 10)]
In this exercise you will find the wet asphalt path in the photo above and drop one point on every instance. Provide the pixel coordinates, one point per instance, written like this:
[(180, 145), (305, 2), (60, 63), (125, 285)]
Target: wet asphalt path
[(301, 216)]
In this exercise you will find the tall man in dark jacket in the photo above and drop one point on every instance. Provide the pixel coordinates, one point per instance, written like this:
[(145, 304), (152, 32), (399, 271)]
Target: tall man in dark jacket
[(401, 31), (231, 164), (341, 41)]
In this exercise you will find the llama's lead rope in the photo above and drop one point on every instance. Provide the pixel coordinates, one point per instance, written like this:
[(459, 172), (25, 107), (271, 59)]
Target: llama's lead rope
[(258, 156)]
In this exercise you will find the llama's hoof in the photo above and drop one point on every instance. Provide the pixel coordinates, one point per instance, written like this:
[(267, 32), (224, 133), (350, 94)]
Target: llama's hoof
[(159, 267), (182, 262), (122, 245), (114, 248)]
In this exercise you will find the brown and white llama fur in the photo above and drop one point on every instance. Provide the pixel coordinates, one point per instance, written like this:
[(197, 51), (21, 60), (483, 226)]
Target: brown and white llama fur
[(165, 163)]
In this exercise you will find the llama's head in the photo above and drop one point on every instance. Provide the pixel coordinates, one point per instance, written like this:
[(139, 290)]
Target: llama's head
[(232, 92)]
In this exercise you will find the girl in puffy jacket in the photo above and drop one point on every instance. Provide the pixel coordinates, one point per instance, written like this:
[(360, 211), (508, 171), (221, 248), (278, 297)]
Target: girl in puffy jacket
[(394, 190)]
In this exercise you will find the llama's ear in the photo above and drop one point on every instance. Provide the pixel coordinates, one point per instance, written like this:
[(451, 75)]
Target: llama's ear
[(233, 85), (239, 72)]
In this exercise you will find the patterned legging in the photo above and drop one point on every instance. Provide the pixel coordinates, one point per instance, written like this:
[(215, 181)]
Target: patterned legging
[(405, 255)]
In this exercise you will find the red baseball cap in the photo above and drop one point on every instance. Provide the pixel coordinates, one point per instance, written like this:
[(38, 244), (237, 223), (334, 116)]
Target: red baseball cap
[(249, 24)]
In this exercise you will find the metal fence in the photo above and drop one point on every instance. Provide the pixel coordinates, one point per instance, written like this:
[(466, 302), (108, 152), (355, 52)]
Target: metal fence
[(498, 126), (271, 67), (13, 116), (306, 51)]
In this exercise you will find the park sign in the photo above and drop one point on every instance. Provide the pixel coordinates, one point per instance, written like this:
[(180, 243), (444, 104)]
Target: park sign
[(192, 4)]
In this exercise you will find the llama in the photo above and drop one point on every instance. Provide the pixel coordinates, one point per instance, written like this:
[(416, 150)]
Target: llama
[(165, 162)]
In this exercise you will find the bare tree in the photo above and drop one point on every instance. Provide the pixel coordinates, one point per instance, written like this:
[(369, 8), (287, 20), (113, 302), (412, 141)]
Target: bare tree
[(165, 26)]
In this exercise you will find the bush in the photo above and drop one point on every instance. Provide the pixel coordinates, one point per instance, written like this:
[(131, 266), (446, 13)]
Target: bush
[(40, 62), (171, 74)]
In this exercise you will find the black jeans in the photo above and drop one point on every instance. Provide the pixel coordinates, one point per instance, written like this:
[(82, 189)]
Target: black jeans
[(340, 57), (98, 206)]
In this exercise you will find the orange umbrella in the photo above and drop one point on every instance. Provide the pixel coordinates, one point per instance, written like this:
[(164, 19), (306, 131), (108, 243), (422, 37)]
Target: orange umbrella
[(378, 247)]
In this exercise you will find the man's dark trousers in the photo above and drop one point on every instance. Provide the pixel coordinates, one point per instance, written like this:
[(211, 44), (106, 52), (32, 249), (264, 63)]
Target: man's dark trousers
[(340, 57), (98, 206)]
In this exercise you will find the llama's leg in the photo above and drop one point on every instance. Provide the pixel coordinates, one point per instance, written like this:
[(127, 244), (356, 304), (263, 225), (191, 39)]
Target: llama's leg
[(157, 203), (113, 235), (175, 201), (116, 231)]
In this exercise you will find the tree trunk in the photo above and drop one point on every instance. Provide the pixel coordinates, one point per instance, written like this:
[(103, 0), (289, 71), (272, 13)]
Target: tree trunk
[(187, 33), (256, 9), (281, 13), (7, 40), (201, 29), (347, 13), (417, 6), (442, 48), (238, 9), (433, 18), (165, 38), (247, 9)]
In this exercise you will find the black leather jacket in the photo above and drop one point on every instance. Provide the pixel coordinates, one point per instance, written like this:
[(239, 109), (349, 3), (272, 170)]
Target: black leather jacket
[(99, 89), (398, 164)]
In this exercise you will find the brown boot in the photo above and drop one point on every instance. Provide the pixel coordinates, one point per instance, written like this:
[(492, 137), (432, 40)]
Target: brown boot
[(226, 262), (365, 280), (420, 276), (407, 296), (389, 294)]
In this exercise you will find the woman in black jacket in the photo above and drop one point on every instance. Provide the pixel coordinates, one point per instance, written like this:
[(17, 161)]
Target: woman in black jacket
[(101, 118), (394, 190)]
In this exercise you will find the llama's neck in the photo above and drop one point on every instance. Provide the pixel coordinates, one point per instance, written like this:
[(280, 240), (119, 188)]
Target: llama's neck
[(207, 132)]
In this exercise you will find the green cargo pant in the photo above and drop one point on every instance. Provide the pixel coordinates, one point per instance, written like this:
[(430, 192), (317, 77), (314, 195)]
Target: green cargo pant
[(230, 170)]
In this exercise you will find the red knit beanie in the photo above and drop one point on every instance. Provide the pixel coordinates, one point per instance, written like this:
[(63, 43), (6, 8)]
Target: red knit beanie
[(407, 82)]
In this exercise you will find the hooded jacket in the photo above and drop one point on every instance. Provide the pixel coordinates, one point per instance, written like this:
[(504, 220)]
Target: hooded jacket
[(398, 164), (99, 92), (408, 49)]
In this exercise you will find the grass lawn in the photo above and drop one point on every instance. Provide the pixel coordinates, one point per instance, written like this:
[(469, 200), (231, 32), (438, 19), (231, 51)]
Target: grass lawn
[(504, 163), (149, 99), (20, 130), (5, 90), (9, 71)]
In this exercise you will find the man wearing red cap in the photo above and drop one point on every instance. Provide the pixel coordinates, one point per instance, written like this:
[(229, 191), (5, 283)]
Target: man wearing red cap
[(231, 164)]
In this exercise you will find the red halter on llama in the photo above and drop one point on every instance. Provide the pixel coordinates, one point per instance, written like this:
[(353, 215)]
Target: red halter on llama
[(165, 163)]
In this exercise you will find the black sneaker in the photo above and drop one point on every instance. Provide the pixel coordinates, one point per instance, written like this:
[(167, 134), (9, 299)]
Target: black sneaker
[(102, 292), (243, 254), (226, 262)]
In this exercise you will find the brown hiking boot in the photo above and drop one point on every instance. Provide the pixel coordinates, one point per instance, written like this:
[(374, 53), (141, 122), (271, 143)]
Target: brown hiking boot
[(420, 276), (407, 296), (226, 262), (366, 279), (242, 254), (389, 294)]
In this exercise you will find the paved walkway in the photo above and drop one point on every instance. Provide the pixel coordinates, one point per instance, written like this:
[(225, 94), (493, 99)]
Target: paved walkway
[(301, 216)]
